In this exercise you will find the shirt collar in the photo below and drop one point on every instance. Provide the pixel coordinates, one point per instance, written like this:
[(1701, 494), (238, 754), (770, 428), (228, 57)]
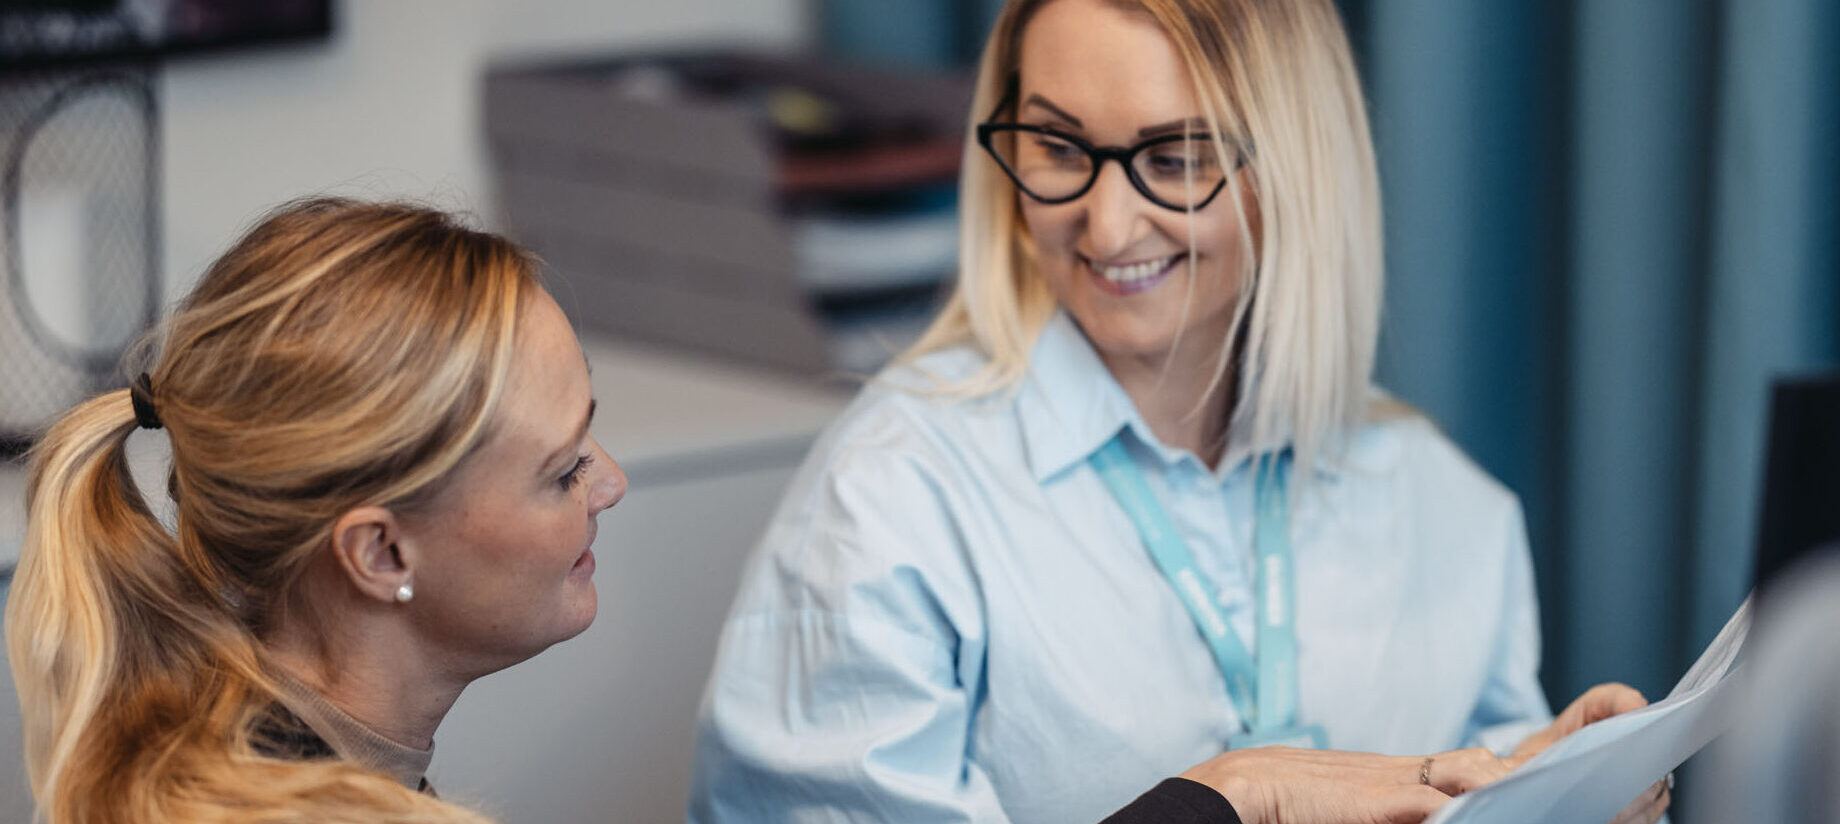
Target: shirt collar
[(1070, 405)]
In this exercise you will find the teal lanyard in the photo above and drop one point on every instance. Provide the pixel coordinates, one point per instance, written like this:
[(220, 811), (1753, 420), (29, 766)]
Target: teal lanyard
[(1263, 689)]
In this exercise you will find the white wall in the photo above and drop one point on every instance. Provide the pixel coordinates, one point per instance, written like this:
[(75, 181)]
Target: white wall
[(390, 105)]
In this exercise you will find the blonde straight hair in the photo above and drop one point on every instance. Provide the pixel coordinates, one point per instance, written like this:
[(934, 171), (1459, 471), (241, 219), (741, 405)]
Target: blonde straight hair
[(1275, 75), (341, 354)]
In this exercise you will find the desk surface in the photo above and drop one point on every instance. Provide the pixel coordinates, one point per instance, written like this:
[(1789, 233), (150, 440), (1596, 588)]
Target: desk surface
[(664, 415)]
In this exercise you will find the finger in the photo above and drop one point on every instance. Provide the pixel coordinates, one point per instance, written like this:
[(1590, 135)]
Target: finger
[(1537, 743), (1410, 805), (1459, 771), (1660, 807), (1647, 807), (1609, 699), (1653, 811)]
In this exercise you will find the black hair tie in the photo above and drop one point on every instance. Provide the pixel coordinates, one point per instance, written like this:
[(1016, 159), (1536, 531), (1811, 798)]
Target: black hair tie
[(140, 391)]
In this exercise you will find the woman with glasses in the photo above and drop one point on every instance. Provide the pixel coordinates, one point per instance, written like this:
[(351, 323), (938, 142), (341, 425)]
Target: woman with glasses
[(1132, 508)]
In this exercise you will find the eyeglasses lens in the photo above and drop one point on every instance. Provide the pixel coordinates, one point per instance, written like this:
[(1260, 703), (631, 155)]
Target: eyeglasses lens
[(1047, 166), (1180, 172)]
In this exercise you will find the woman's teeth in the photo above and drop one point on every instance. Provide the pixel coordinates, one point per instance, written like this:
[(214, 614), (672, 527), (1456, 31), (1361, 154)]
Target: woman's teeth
[(1135, 271)]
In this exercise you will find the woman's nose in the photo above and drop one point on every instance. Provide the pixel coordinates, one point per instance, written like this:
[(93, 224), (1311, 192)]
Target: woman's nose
[(608, 489), (1113, 207)]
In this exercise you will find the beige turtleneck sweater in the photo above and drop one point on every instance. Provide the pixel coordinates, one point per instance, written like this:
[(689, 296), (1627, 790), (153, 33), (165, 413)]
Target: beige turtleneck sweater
[(351, 739)]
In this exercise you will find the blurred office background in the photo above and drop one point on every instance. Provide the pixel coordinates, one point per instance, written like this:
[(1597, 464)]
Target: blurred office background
[(1609, 224)]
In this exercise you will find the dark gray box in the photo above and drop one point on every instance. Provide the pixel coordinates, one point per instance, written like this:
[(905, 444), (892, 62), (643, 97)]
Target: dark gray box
[(668, 196)]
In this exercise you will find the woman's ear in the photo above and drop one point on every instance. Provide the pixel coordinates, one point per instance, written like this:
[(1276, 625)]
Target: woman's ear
[(367, 543)]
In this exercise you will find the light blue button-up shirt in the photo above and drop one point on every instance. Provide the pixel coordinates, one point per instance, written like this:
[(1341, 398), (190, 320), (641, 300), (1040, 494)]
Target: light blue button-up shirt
[(951, 619)]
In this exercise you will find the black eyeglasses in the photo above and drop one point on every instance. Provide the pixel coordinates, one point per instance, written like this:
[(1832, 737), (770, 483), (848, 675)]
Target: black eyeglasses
[(1180, 172)]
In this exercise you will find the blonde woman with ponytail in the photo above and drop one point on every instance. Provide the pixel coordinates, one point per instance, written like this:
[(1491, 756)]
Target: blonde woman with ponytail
[(382, 488), (1133, 508)]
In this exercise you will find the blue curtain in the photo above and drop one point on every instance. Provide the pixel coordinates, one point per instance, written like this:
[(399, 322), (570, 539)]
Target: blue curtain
[(1609, 226), (910, 34)]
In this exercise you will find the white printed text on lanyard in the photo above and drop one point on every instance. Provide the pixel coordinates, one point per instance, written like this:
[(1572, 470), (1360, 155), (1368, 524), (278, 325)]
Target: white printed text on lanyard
[(1263, 689)]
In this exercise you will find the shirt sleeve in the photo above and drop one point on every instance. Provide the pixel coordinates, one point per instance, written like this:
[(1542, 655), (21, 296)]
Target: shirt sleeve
[(858, 724), (1177, 801), (844, 686), (1512, 704), (814, 718)]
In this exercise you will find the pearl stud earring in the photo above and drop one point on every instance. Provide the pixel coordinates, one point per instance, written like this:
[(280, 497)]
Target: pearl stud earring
[(404, 593)]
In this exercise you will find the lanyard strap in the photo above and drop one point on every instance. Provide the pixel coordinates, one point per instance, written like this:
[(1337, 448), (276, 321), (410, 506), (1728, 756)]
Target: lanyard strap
[(1263, 689), (1277, 600)]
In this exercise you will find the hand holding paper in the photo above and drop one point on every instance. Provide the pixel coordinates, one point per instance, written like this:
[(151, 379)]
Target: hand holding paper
[(1596, 704), (1592, 773)]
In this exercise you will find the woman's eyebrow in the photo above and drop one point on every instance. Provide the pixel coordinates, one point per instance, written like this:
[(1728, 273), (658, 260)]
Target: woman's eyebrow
[(1174, 127), (1038, 100)]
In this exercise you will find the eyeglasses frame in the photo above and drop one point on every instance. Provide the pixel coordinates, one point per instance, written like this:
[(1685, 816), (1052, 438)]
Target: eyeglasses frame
[(987, 131)]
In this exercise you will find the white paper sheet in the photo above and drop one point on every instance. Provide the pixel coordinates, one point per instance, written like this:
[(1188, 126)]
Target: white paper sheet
[(1592, 774)]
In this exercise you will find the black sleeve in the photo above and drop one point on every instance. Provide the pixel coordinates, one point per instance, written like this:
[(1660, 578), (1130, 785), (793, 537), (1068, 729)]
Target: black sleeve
[(1177, 801)]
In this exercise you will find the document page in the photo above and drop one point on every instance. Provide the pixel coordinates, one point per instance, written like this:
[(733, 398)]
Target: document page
[(1593, 773)]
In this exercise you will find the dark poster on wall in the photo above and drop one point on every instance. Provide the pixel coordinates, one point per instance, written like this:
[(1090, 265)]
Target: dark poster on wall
[(45, 33)]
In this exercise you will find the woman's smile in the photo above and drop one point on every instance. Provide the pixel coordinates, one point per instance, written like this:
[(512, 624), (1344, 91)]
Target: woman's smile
[(1134, 277)]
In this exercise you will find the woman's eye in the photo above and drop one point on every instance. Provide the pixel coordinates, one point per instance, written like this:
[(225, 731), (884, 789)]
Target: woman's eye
[(577, 472), (1197, 159), (1057, 149), (1169, 163)]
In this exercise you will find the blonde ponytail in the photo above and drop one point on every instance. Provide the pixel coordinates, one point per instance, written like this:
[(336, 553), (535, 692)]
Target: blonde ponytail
[(64, 631), (135, 650)]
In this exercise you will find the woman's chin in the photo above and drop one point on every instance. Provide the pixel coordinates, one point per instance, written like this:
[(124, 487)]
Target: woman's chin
[(1123, 334), (583, 612), (578, 604)]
